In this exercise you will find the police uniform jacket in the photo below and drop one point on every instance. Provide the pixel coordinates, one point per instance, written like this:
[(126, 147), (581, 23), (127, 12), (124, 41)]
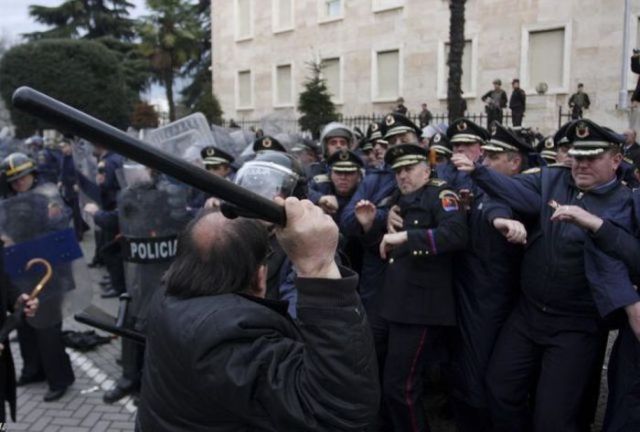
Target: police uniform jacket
[(377, 187), (237, 363), (555, 276), (418, 285), (109, 164)]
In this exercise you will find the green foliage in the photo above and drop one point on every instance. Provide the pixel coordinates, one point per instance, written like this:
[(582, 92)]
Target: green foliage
[(315, 102), (83, 74), (170, 37), (87, 19)]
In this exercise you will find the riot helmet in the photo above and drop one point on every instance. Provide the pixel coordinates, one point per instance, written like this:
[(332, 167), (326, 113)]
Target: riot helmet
[(17, 165), (273, 173)]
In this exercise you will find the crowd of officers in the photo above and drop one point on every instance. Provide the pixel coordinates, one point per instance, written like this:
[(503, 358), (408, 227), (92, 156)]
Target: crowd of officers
[(502, 257)]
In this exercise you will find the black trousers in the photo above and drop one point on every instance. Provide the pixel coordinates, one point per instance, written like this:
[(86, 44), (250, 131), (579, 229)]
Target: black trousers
[(43, 355), (516, 116), (401, 350), (623, 406), (494, 115), (132, 361), (554, 354)]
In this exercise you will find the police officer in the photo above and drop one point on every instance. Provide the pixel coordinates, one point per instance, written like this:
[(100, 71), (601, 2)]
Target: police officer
[(416, 302), (486, 281), (334, 137), (217, 162), (547, 150), (623, 409), (555, 331), (107, 219), (67, 183), (268, 142), (373, 196), (440, 149), (42, 349)]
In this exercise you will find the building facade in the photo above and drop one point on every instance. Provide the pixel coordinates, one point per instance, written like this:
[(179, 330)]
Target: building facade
[(374, 51)]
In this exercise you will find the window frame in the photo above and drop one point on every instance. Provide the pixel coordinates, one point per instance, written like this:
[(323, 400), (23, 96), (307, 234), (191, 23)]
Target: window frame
[(524, 56), (339, 98), (251, 106), (323, 18), (374, 73), (441, 85), (275, 25), (634, 29), (274, 86), (250, 35), (376, 7)]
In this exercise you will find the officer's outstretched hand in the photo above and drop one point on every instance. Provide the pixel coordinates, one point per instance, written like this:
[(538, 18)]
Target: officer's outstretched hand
[(576, 215), (310, 239), (365, 213), (513, 230), (390, 241), (328, 203), (462, 162), (394, 220)]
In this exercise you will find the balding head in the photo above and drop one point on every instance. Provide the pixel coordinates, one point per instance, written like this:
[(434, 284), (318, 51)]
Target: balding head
[(217, 255)]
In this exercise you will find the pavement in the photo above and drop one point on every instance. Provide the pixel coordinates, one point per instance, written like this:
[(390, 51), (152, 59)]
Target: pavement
[(82, 408)]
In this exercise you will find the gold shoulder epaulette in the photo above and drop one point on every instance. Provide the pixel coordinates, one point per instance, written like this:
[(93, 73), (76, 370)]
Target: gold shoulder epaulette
[(437, 182)]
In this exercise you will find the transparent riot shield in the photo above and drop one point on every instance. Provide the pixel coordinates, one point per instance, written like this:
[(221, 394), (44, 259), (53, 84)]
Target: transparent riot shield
[(151, 215), (35, 224), (86, 166)]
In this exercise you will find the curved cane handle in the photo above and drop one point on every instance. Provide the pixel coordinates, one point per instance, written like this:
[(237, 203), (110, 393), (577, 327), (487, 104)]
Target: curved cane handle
[(47, 276)]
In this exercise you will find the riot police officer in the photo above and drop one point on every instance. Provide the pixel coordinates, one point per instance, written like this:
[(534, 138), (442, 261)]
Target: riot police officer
[(41, 346)]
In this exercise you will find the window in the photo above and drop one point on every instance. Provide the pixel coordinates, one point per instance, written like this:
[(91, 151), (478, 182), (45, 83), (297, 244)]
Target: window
[(546, 57), (283, 86), (244, 19), (386, 82), (384, 5), (282, 15), (333, 77), (330, 10), (245, 91)]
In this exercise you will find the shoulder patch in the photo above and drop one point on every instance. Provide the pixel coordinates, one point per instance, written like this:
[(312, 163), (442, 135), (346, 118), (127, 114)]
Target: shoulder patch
[(436, 182), (532, 170), (321, 178), (449, 200)]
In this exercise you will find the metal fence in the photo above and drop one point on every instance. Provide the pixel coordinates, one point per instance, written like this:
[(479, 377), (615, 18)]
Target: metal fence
[(360, 121)]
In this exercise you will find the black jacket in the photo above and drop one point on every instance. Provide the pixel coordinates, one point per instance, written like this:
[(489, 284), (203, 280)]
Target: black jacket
[(518, 100), (418, 287), (237, 363)]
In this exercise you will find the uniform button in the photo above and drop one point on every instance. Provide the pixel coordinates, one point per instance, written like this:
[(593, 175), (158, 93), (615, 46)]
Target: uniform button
[(415, 253), (426, 252), (390, 260), (415, 222)]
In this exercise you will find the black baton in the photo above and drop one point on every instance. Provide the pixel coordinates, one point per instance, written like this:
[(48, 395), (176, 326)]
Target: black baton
[(64, 117)]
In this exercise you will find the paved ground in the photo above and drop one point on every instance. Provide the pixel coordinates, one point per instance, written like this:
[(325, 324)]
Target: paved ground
[(82, 409)]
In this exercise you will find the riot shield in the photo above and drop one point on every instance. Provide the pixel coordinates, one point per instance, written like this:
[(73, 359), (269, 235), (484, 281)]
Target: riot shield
[(86, 166), (184, 138), (35, 224), (151, 215)]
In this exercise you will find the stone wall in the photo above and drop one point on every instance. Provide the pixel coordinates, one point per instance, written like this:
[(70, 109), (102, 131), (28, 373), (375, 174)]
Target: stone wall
[(419, 29)]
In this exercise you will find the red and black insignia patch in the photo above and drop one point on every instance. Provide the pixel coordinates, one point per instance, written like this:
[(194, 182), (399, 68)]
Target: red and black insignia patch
[(449, 201)]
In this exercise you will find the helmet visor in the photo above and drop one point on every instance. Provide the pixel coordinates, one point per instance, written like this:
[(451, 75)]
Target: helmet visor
[(267, 179)]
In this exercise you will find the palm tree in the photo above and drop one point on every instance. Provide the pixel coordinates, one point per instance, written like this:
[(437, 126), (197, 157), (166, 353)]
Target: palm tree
[(170, 37), (456, 49)]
